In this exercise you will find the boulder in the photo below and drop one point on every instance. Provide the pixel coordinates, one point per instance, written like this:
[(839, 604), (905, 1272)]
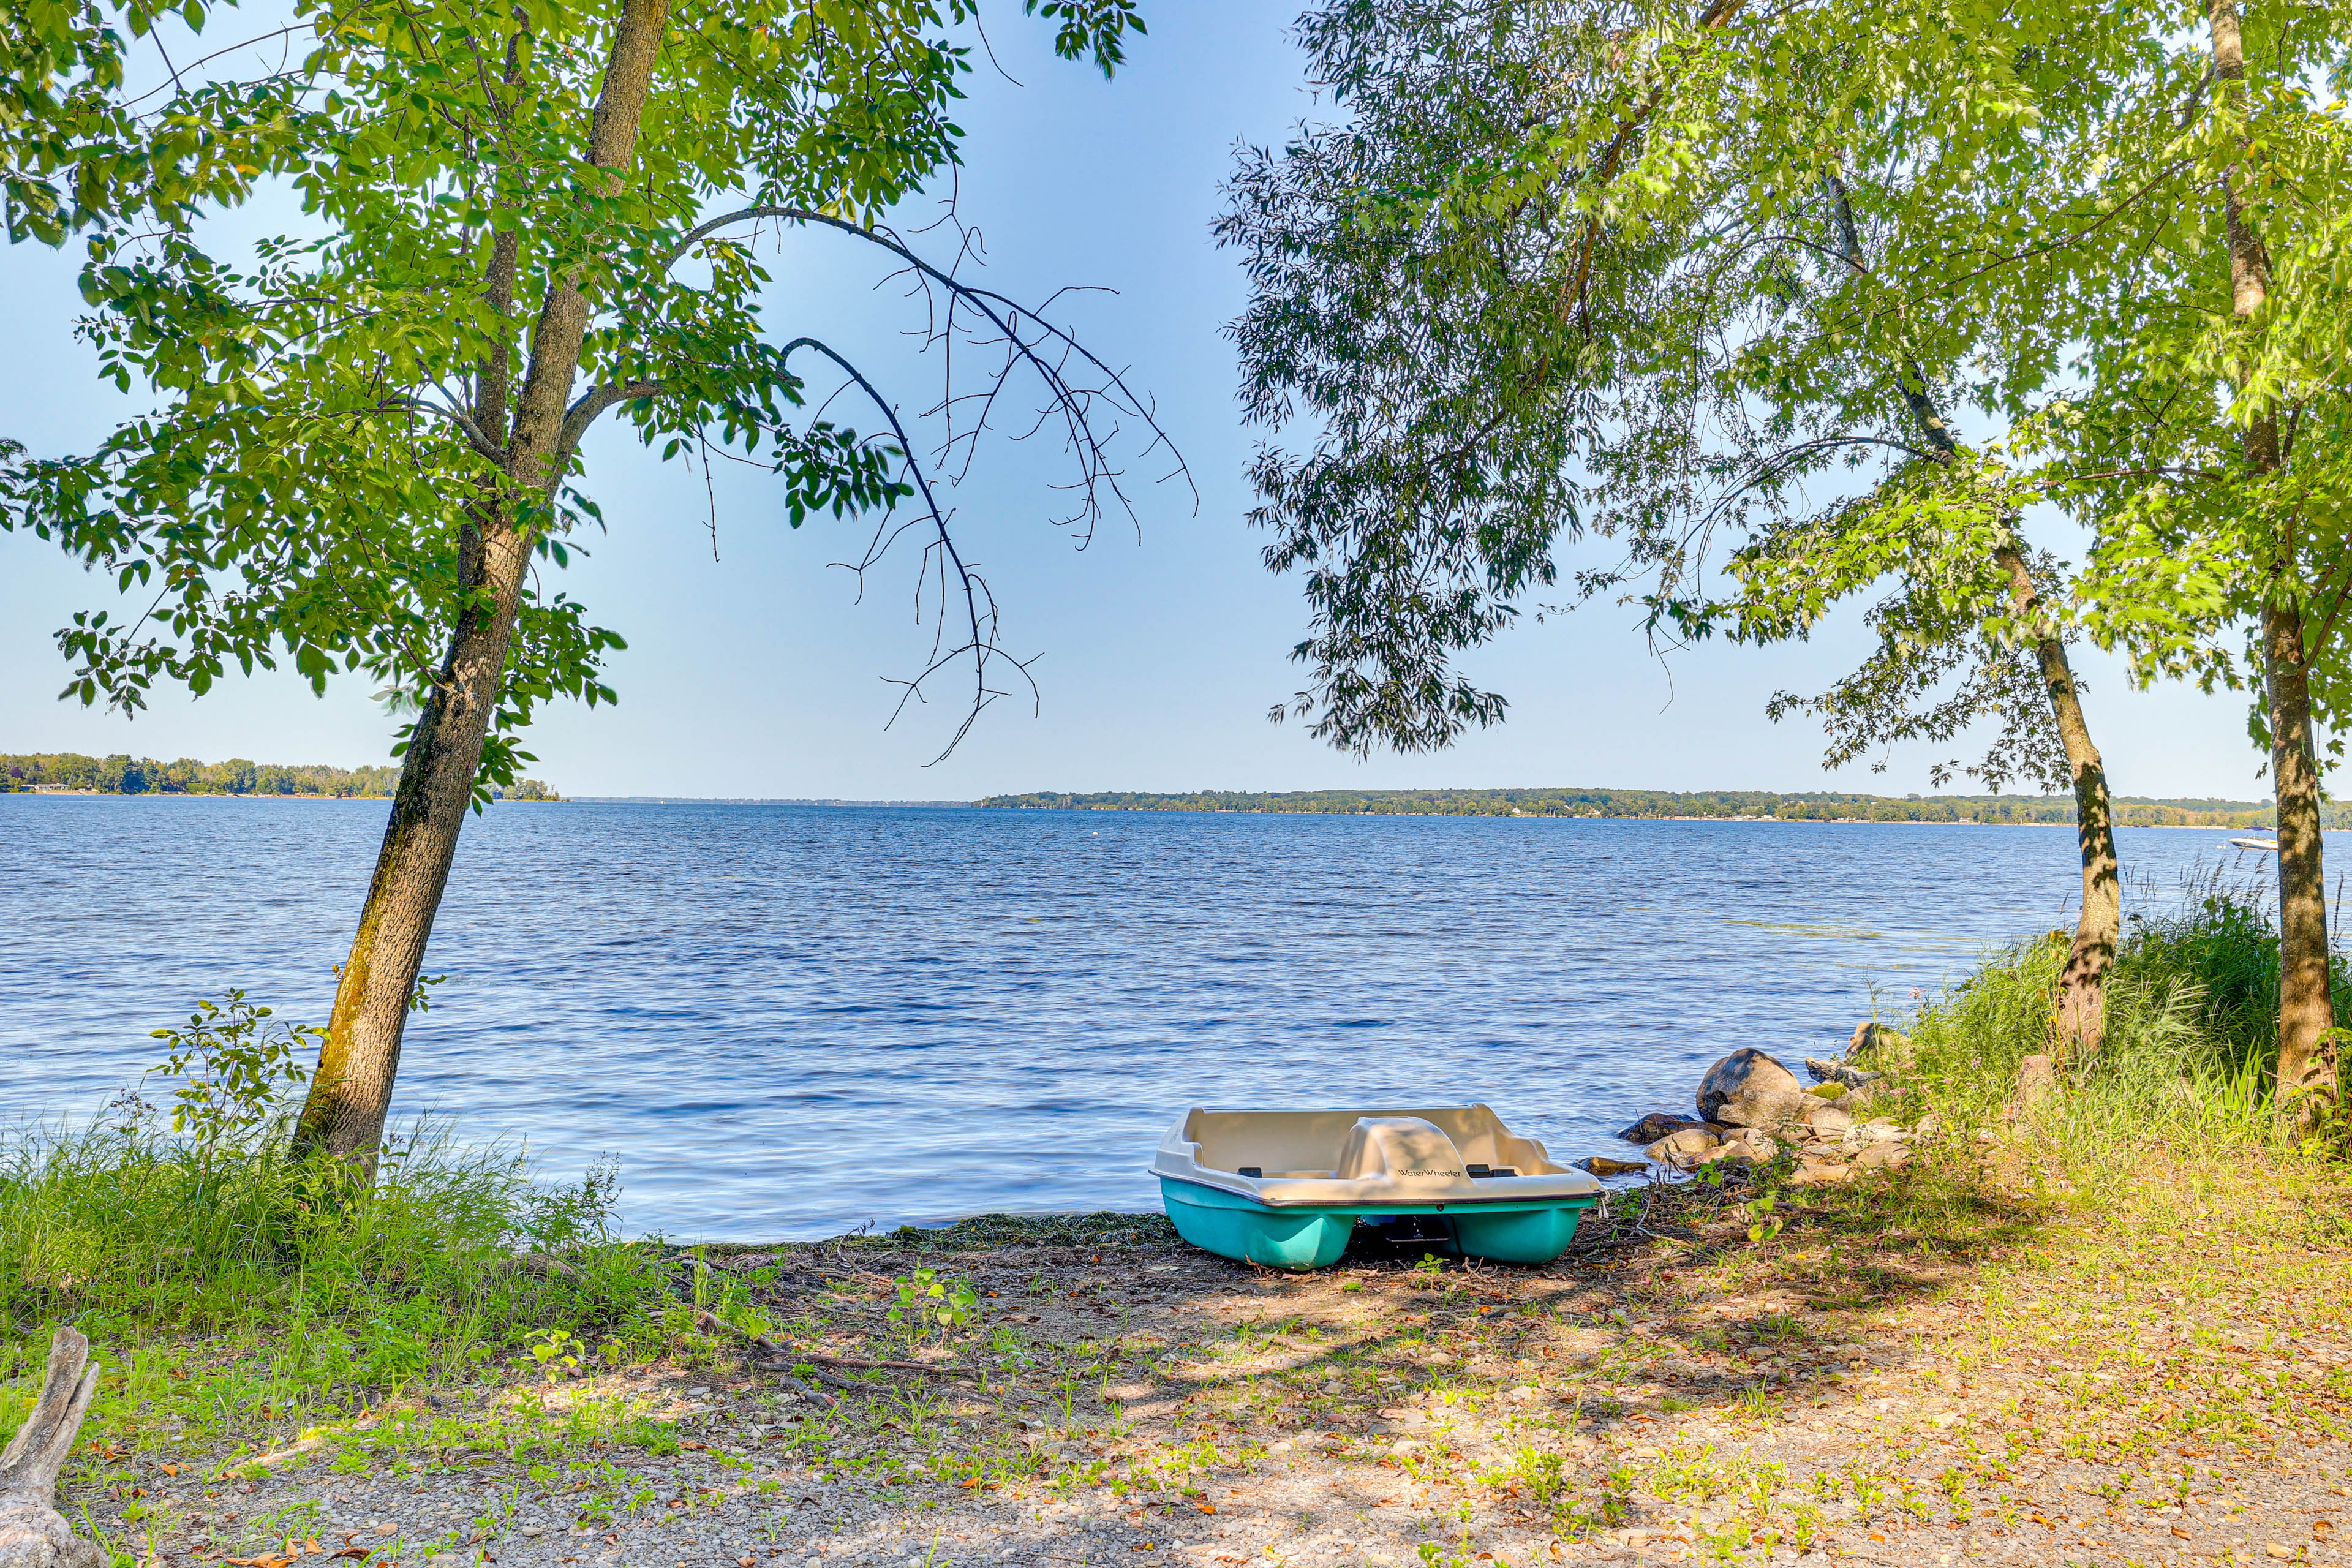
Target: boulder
[(1602, 1165), (1743, 1071), (1768, 1110), (1656, 1125)]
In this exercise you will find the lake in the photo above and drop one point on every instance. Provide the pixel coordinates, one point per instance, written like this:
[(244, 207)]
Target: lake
[(787, 1021)]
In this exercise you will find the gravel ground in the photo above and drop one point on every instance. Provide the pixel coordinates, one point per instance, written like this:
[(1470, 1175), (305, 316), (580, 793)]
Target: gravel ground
[(2164, 1390)]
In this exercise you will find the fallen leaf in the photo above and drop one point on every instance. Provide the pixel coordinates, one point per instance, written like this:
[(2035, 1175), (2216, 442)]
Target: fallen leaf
[(2180, 1533), (973, 1482), (169, 1469), (1204, 1505), (356, 1553)]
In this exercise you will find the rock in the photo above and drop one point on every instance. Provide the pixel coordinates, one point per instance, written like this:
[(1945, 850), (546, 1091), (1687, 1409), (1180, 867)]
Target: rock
[(1814, 1172), (1830, 1091), (1602, 1165), (1743, 1071), (1872, 1039), (1769, 1109), (1859, 1102), (1738, 1153), (1824, 1072), (1880, 1131), (1828, 1120), (1882, 1157), (1682, 1150), (1656, 1125)]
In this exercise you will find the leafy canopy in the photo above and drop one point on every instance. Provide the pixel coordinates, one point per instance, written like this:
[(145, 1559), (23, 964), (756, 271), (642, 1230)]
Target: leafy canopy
[(1818, 294), (329, 420)]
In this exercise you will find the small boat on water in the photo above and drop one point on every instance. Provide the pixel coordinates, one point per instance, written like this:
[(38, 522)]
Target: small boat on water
[(2269, 843), (1286, 1188)]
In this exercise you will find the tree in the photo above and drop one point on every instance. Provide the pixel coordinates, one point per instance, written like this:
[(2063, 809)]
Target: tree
[(366, 447), (1603, 266), (2203, 432)]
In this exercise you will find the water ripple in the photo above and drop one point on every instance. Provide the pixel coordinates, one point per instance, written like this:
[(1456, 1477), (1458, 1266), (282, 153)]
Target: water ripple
[(788, 1020)]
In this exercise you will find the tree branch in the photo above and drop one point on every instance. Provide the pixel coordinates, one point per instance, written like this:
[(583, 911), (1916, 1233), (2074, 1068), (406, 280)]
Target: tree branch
[(1004, 315), (980, 609), (482, 445), (592, 403)]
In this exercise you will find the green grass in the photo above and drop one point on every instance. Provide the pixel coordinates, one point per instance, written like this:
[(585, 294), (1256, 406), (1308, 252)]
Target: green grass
[(2191, 1035), (236, 1294)]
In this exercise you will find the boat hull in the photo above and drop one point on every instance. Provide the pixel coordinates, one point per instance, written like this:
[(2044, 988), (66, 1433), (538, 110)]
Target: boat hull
[(1313, 1235)]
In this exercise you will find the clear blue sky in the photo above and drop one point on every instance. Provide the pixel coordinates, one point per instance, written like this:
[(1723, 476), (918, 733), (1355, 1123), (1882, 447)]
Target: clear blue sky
[(759, 674)]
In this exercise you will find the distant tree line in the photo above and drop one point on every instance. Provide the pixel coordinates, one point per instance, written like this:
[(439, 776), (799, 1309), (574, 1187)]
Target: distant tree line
[(124, 775), (1719, 804)]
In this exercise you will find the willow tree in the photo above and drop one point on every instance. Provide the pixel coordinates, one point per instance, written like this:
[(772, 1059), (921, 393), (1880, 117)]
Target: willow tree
[(1641, 270), (363, 454)]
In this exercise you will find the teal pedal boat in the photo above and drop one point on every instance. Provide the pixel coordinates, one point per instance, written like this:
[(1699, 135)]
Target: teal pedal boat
[(1286, 1188)]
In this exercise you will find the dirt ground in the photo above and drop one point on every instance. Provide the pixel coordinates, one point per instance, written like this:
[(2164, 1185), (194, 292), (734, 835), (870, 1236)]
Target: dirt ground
[(2027, 1384)]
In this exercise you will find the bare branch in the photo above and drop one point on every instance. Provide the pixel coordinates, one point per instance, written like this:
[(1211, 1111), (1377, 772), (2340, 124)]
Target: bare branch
[(979, 606), (1045, 349)]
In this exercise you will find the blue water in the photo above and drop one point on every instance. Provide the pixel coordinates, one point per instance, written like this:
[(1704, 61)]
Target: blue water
[(785, 1021)]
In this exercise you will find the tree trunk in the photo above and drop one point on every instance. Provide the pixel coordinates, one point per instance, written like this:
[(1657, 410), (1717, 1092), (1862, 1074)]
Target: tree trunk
[(350, 1093), (2306, 1052), (2306, 1063), (2082, 986)]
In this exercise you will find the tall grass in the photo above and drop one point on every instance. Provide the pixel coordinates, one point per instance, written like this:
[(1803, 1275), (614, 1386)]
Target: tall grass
[(2191, 1033), (223, 1253)]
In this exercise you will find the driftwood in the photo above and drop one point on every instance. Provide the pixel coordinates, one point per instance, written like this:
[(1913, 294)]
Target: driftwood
[(33, 1534)]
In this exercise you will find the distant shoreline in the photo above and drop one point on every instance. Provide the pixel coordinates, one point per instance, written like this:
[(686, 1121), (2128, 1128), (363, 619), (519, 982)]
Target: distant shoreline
[(1594, 805), (1175, 811)]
